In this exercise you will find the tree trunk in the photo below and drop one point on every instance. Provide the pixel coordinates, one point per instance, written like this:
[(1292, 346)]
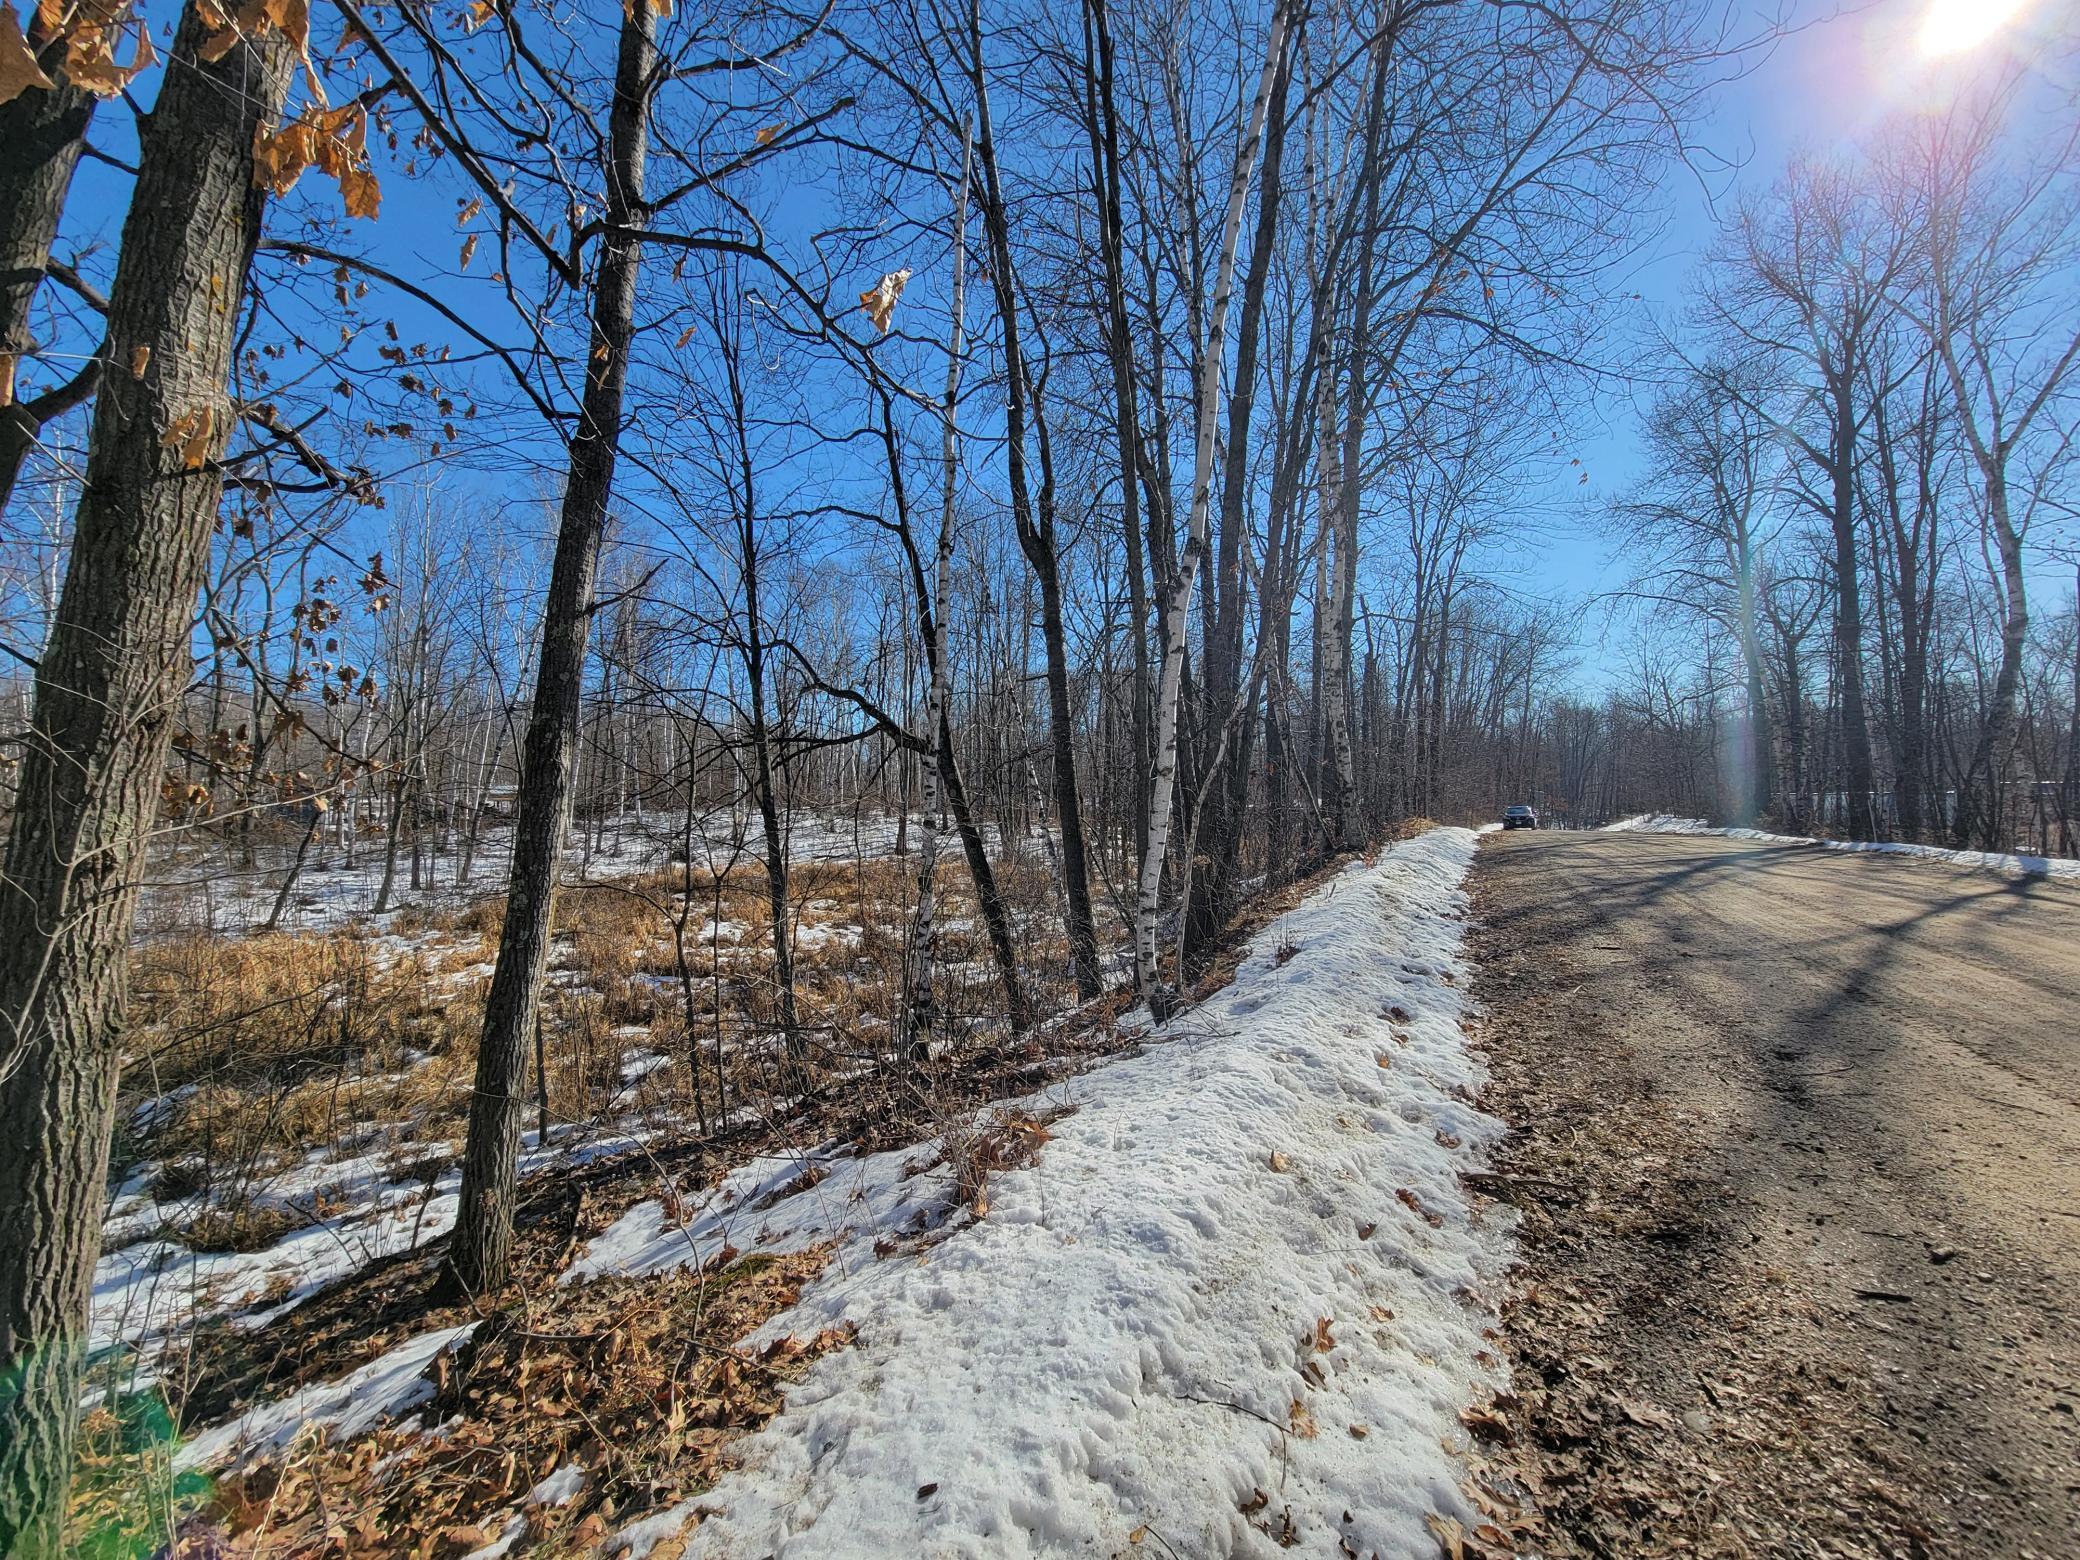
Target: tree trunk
[(1119, 350), (1163, 781), (43, 130), (106, 697), (479, 1250), (1848, 620), (1340, 788), (916, 1034), (1755, 799), (1996, 742), (1227, 794), (1035, 526)]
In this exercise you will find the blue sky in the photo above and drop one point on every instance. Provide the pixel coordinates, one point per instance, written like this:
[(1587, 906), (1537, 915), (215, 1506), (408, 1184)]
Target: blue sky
[(1836, 77), (1834, 80)]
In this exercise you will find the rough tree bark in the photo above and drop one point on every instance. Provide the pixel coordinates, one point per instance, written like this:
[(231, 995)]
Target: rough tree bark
[(1034, 523), (481, 1246), (106, 696)]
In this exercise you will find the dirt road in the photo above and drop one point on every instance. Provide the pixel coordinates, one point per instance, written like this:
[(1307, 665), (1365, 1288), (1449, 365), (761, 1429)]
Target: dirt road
[(1799, 1151)]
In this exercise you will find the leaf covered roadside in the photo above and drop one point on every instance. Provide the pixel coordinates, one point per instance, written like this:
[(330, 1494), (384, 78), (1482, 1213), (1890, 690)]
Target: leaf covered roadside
[(633, 1391)]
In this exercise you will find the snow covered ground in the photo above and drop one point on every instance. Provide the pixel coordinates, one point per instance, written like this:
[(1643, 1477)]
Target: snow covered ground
[(1237, 1303), (1989, 861), (149, 1291), (193, 887)]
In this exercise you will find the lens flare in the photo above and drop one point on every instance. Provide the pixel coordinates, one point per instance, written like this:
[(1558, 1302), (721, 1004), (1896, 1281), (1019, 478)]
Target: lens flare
[(1953, 26)]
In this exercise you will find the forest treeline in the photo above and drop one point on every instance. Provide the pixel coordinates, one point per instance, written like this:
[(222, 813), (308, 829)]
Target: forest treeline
[(1087, 432), (1859, 492)]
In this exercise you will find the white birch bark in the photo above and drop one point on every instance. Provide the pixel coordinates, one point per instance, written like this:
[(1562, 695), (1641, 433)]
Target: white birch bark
[(1163, 783), (1336, 648), (918, 1015)]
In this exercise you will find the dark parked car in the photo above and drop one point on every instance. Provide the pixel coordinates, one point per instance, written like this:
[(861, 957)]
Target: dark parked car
[(1519, 818)]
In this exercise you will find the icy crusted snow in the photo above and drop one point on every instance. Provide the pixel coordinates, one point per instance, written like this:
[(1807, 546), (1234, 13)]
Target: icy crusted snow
[(1983, 860), (149, 1290), (1188, 1260)]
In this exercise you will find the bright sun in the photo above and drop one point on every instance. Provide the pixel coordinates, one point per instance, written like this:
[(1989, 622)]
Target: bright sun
[(1953, 26)]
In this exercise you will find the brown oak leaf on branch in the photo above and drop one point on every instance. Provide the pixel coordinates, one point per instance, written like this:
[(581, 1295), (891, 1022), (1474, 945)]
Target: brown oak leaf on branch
[(879, 301)]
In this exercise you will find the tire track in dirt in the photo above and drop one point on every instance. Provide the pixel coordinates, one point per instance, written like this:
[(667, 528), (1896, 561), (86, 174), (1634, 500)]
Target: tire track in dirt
[(1802, 1169)]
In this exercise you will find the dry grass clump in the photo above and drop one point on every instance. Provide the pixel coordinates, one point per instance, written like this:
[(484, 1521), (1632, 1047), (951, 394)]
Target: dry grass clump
[(254, 1052), (663, 1005), (1001, 1139), (272, 1006)]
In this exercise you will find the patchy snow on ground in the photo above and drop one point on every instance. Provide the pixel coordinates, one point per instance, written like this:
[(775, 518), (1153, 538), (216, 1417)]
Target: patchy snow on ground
[(150, 1290), (1235, 1304), (1220, 1282), (192, 887), (358, 1402), (1982, 860)]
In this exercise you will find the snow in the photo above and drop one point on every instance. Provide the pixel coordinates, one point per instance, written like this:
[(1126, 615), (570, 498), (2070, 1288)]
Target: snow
[(1980, 860), (386, 1387), (1219, 1279), (149, 1290), (560, 1488), (514, 1530), (191, 888), (1103, 1350)]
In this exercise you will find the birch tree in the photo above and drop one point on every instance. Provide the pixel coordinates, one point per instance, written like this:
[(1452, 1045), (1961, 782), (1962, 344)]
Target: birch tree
[(922, 953), (1177, 606)]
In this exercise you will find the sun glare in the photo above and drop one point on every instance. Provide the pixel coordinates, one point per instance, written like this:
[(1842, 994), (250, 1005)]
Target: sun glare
[(1953, 26)]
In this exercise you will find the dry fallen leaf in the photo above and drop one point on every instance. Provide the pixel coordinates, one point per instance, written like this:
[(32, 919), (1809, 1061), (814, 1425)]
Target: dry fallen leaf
[(1279, 1162), (1451, 1538), (190, 434), (1487, 1424), (18, 68), (1645, 1414), (879, 301)]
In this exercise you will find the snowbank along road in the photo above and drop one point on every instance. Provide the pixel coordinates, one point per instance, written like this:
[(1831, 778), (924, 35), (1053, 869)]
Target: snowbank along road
[(1806, 1133)]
